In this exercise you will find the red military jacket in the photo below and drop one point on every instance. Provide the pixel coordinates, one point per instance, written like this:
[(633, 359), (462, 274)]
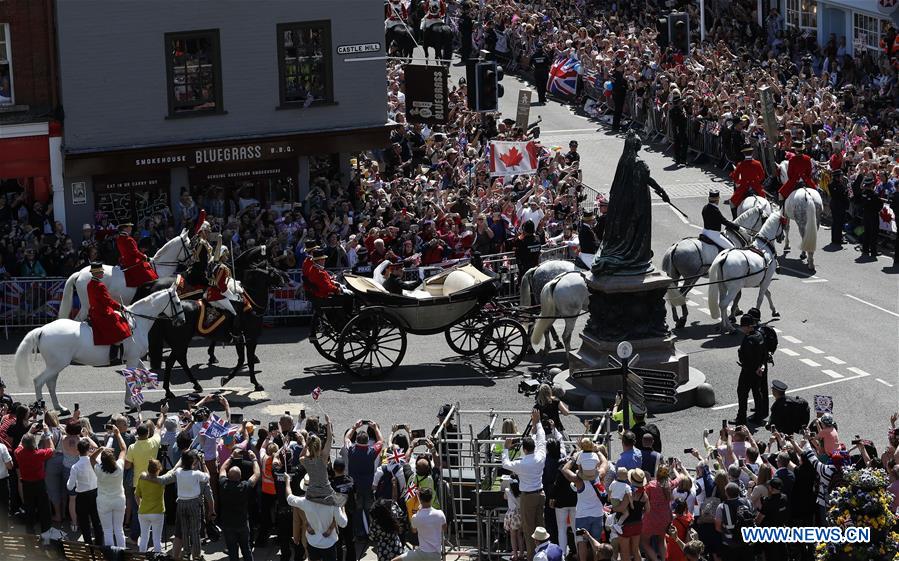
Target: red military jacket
[(133, 263), (109, 327), (800, 167), (747, 175), (219, 286), (318, 282)]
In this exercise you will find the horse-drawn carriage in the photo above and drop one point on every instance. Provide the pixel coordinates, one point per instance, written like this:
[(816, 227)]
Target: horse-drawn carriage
[(366, 332)]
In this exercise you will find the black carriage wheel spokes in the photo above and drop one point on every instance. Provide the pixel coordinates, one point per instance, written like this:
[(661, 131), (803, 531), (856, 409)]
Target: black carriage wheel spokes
[(368, 345), (324, 337), (502, 345), (464, 337)]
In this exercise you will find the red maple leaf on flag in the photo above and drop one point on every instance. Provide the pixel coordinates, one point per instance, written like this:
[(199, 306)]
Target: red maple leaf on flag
[(511, 158)]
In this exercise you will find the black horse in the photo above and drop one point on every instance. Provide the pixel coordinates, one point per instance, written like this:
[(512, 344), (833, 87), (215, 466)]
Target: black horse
[(401, 36), (256, 283), (439, 37)]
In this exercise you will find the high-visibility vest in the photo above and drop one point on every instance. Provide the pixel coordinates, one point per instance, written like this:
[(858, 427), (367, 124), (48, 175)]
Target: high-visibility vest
[(268, 477)]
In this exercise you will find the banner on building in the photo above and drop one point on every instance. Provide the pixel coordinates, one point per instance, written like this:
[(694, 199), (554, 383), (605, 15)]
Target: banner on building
[(426, 94)]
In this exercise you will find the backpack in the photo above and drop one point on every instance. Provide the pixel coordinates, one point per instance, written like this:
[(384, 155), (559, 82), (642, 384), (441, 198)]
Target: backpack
[(739, 518), (385, 484), (798, 413), (770, 337)]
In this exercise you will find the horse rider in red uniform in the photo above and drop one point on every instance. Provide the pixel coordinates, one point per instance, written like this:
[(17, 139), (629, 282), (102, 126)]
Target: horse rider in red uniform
[(748, 177), (800, 167), (132, 261), (108, 324)]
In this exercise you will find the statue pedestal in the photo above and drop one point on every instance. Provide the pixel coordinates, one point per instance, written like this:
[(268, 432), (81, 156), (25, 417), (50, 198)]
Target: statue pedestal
[(630, 308)]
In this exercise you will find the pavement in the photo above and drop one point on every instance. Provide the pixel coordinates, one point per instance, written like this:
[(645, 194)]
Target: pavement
[(838, 331)]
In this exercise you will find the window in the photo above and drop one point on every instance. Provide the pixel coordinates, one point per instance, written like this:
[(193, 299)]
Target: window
[(304, 62), (803, 14), (6, 96), (193, 63), (867, 32)]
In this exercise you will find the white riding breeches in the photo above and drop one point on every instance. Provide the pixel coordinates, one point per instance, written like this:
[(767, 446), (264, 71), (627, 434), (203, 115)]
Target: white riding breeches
[(718, 238), (224, 304)]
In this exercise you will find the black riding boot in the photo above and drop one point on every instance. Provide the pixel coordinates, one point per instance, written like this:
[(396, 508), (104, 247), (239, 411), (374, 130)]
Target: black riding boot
[(114, 354)]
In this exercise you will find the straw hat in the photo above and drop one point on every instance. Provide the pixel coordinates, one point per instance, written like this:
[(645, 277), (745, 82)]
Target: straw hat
[(636, 477)]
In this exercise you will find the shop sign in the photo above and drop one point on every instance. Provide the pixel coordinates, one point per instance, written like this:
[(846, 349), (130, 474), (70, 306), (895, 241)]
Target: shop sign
[(426, 94), (79, 193), (217, 155)]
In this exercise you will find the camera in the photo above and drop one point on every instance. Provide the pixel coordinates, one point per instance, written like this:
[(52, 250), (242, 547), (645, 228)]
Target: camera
[(528, 387), (200, 414), (38, 407)]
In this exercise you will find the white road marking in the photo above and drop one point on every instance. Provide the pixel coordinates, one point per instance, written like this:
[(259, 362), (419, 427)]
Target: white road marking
[(813, 386), (872, 305), (813, 350), (792, 339), (832, 374), (809, 281), (810, 362), (835, 360), (705, 311), (858, 371), (568, 130), (788, 352), (884, 382)]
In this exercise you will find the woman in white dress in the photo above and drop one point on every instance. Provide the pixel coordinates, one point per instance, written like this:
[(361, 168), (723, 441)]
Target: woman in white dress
[(111, 492)]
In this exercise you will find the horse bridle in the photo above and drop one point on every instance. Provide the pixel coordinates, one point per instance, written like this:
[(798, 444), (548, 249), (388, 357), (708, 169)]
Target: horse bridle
[(768, 242), (186, 255), (180, 315)]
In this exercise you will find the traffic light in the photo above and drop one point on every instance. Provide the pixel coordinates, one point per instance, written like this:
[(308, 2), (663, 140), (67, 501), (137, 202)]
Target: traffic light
[(679, 31), (484, 94)]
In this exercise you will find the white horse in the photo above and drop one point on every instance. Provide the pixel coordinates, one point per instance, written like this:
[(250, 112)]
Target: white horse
[(175, 252), (565, 297), (804, 205), (690, 258), (737, 269), (755, 201), (532, 283), (64, 341)]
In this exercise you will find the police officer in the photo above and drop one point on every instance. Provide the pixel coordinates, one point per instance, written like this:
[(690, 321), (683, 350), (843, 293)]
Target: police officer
[(713, 221), (779, 416), (527, 249), (363, 266), (619, 92), (678, 120), (839, 204), (752, 356), (871, 204), (540, 61)]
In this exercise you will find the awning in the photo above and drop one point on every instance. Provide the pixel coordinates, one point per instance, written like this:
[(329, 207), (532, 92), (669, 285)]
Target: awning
[(25, 156)]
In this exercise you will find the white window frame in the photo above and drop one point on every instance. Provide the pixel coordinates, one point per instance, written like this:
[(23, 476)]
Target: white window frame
[(872, 38), (8, 44), (796, 16)]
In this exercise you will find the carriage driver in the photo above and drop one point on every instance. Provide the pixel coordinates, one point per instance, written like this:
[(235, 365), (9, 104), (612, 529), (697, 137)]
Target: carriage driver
[(107, 323), (134, 264), (395, 14), (317, 280), (713, 220), (393, 281)]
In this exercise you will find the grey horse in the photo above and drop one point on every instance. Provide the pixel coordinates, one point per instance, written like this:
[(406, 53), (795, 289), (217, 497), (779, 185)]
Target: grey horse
[(532, 283)]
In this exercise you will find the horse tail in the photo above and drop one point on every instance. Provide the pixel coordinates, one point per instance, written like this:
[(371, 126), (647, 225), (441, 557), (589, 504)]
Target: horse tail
[(674, 296), (24, 352), (715, 274), (65, 307), (547, 314), (525, 298), (810, 235)]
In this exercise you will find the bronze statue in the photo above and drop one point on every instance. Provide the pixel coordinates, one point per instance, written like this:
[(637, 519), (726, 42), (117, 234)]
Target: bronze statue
[(626, 248)]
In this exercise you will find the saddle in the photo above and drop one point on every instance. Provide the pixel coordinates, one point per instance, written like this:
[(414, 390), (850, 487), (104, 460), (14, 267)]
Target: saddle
[(188, 291), (705, 239), (210, 318)]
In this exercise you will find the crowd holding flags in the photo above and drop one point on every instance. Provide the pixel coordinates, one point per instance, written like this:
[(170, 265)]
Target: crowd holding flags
[(563, 76), (136, 379)]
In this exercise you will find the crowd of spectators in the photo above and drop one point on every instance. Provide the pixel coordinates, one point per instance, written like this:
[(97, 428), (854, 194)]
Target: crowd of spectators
[(296, 485)]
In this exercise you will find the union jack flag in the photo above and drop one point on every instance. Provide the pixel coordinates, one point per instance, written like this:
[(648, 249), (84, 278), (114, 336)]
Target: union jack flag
[(135, 381), (216, 427), (411, 491), (563, 77), (397, 457), (316, 393)]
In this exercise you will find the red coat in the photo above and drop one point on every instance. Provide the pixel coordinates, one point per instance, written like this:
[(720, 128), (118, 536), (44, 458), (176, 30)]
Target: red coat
[(219, 286), (133, 263), (800, 167), (748, 175), (318, 283), (109, 327)]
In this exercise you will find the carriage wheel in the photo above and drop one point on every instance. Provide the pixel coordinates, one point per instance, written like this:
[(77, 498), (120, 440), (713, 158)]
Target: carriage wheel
[(324, 337), (464, 337), (371, 345), (502, 345)]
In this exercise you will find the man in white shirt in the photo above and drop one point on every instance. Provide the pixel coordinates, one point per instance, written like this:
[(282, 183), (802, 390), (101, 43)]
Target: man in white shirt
[(532, 212), (5, 466), (429, 524), (322, 522), (83, 480), (530, 479)]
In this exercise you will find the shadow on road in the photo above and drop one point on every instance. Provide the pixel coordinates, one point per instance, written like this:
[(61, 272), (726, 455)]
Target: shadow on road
[(332, 377)]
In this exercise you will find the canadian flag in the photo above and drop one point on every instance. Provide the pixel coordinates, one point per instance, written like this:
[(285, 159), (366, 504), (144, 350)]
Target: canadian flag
[(513, 158)]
